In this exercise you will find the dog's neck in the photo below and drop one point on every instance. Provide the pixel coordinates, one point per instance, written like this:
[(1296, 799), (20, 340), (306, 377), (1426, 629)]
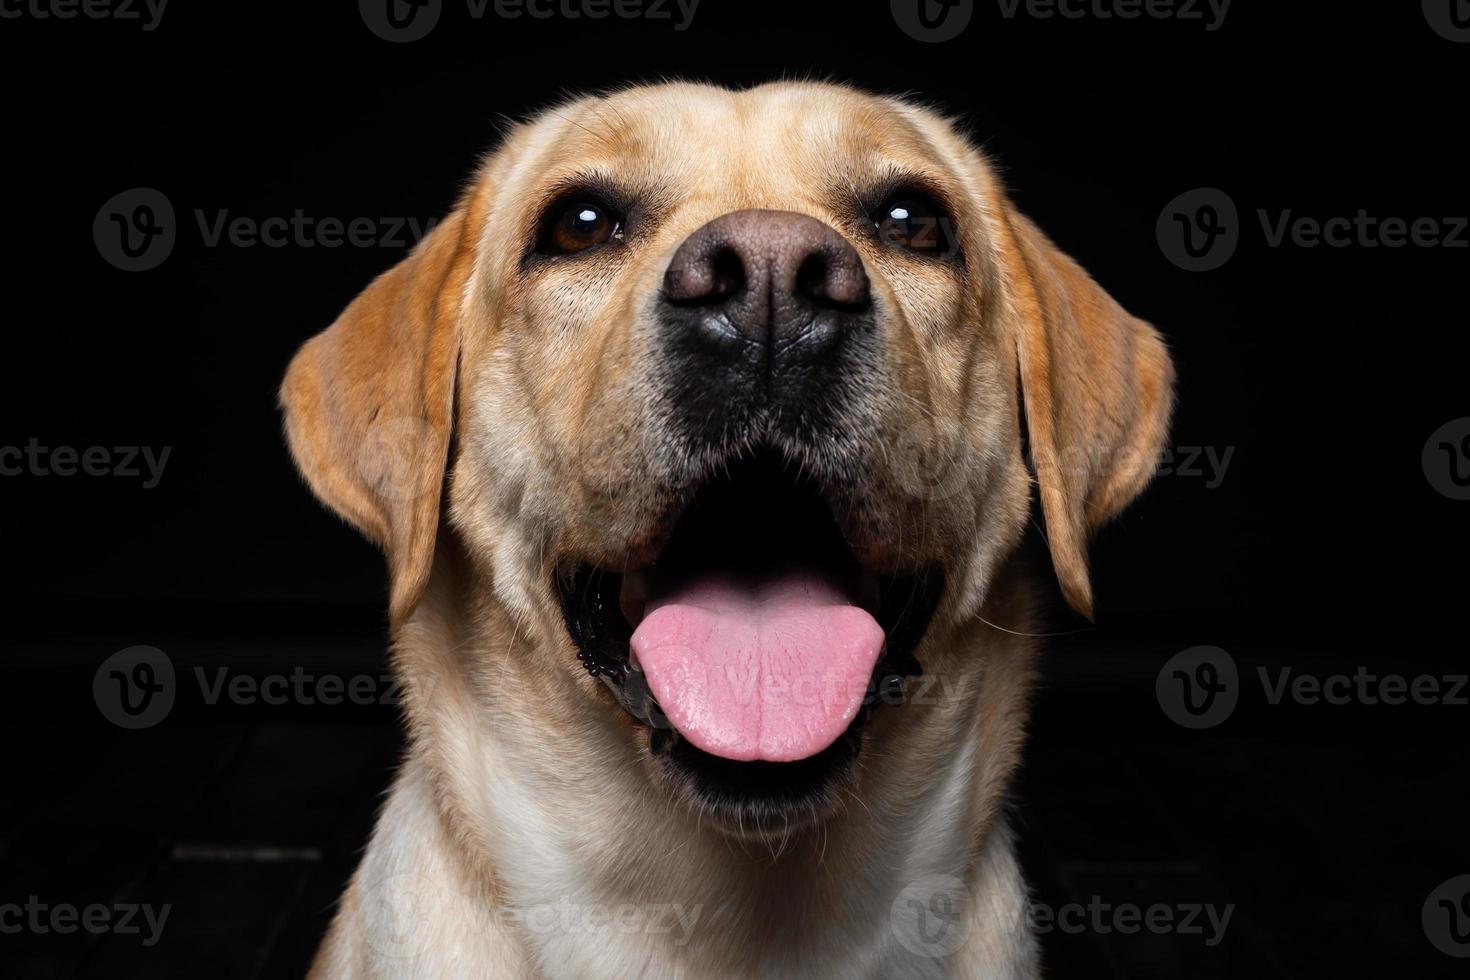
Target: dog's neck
[(546, 797)]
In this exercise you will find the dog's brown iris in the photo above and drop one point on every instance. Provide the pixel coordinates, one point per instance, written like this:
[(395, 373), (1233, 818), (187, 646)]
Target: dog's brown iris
[(581, 225), (916, 222)]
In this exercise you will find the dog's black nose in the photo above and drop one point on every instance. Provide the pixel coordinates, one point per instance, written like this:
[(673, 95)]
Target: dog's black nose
[(770, 290)]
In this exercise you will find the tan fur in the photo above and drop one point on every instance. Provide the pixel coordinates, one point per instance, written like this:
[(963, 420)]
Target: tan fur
[(528, 386)]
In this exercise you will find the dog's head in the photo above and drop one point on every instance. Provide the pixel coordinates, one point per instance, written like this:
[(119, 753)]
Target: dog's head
[(733, 389)]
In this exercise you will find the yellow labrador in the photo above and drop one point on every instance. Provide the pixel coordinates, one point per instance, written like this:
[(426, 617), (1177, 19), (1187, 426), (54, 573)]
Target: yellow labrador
[(694, 438)]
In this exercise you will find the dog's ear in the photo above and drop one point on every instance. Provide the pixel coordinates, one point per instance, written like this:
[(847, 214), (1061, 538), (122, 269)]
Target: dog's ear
[(1097, 386), (369, 404)]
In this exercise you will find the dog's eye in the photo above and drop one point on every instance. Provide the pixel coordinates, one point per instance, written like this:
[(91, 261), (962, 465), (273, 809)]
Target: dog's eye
[(578, 226), (915, 221)]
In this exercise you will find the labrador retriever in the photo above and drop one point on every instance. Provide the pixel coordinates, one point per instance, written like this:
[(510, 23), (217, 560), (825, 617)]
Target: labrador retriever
[(700, 438)]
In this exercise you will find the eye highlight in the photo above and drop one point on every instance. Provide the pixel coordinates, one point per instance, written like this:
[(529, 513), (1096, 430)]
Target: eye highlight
[(578, 224), (915, 221)]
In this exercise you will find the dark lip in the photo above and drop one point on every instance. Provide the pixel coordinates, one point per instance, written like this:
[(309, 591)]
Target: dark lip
[(759, 799), (749, 794)]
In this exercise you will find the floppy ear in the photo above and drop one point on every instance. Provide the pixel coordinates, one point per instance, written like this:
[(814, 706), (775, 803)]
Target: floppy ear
[(369, 405), (1098, 387)]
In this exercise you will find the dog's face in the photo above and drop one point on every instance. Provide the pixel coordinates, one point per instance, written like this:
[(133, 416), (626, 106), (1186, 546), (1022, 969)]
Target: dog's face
[(729, 390)]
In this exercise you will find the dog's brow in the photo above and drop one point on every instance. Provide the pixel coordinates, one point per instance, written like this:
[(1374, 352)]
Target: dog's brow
[(594, 182), (870, 189), (612, 135)]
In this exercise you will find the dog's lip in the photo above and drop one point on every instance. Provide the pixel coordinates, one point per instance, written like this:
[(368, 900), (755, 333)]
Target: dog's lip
[(633, 596), (758, 800)]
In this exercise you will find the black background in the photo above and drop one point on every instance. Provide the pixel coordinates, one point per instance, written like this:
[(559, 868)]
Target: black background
[(1323, 371)]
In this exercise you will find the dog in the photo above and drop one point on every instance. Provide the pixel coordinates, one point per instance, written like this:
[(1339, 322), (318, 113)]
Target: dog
[(700, 438)]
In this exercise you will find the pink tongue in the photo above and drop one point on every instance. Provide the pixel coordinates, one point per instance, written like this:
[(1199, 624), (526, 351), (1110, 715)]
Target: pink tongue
[(776, 672)]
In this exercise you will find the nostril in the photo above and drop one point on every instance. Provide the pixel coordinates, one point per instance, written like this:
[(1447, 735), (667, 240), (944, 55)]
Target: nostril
[(706, 280), (841, 285), (811, 279), (727, 274)]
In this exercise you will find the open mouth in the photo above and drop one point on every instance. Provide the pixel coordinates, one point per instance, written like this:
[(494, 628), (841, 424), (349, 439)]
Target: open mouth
[(755, 647)]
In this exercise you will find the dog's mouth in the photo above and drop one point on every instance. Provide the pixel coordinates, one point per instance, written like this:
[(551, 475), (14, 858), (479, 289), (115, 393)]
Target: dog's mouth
[(755, 647)]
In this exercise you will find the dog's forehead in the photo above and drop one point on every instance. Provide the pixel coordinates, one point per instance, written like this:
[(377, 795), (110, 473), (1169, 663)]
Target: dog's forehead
[(754, 143)]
